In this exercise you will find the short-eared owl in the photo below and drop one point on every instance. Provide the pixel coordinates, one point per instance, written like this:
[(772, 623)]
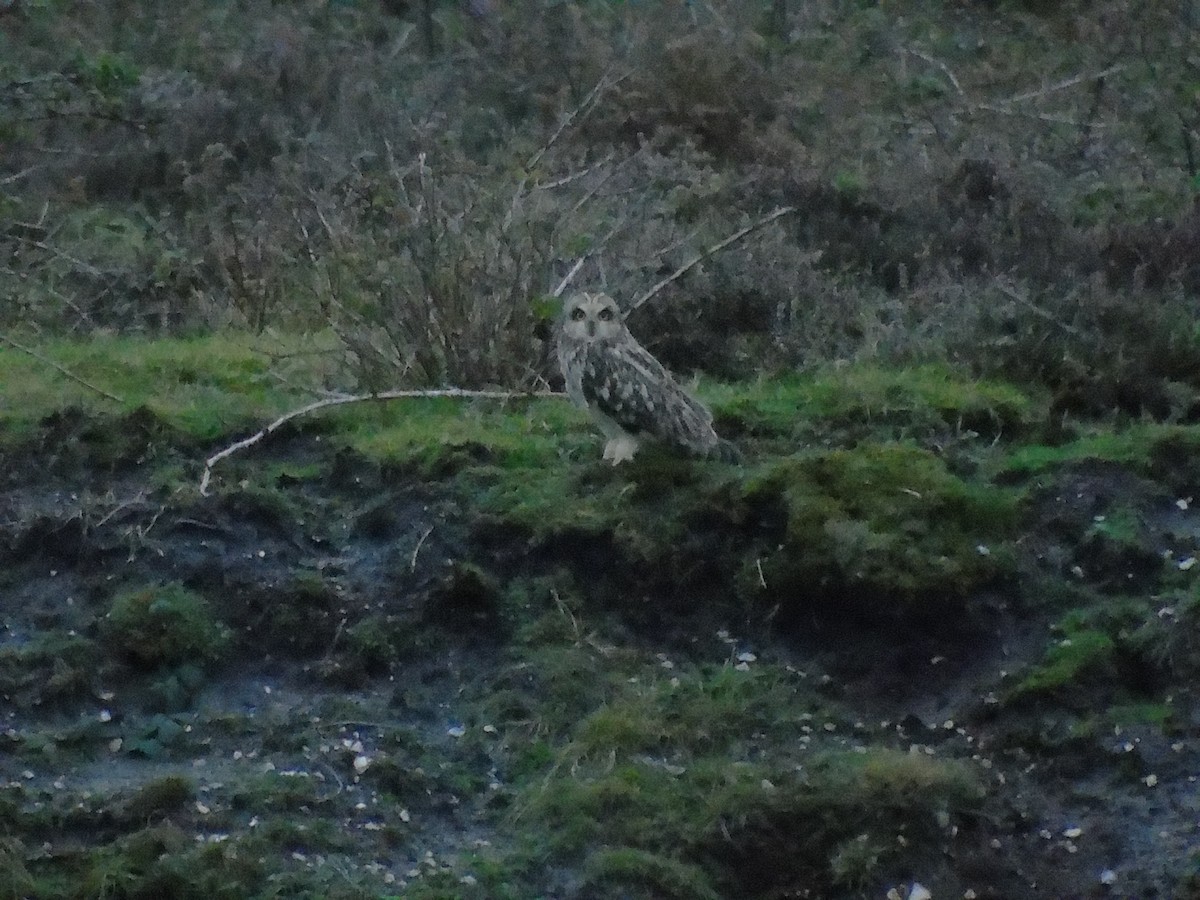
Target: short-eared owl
[(627, 391)]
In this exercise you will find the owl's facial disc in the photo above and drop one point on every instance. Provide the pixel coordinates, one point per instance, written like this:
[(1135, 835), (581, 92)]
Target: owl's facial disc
[(592, 317)]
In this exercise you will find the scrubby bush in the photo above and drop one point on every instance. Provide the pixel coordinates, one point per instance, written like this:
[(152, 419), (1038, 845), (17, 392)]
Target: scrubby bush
[(164, 626), (421, 184)]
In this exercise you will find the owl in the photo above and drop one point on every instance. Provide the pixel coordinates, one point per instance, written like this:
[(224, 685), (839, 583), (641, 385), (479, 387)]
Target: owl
[(626, 390)]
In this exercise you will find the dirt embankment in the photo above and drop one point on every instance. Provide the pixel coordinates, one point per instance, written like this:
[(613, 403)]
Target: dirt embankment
[(331, 669)]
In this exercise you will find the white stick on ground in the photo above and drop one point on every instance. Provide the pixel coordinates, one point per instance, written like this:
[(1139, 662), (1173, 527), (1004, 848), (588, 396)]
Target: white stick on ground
[(462, 393)]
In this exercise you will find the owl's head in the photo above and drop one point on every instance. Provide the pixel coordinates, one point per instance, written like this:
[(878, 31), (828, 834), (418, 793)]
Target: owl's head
[(592, 317)]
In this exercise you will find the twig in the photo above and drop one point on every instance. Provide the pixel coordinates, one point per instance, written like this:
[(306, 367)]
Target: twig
[(715, 248), (457, 393), (934, 61), (573, 176), (17, 176), (584, 106), (570, 276), (60, 369), (1037, 310), (584, 109), (412, 563), (600, 245), (1057, 86)]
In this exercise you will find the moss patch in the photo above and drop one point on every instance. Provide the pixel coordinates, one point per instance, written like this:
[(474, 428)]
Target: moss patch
[(164, 626), (888, 525)]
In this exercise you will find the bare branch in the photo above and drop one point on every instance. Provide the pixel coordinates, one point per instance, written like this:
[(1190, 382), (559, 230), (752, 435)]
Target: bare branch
[(60, 369), (1059, 86), (600, 245), (569, 277), (342, 400), (714, 249), (1013, 294), (585, 107), (934, 61)]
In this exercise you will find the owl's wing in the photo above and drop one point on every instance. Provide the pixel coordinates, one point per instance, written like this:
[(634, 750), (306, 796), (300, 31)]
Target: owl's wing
[(631, 387)]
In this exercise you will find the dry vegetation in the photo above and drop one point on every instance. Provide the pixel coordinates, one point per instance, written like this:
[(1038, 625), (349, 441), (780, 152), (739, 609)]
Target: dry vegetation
[(1008, 187)]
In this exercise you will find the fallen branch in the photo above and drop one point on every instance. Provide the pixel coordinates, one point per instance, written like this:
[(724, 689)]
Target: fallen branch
[(341, 400), (62, 370), (715, 248)]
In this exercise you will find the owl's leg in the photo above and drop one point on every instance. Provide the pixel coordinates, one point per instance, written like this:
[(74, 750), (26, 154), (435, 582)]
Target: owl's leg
[(621, 449)]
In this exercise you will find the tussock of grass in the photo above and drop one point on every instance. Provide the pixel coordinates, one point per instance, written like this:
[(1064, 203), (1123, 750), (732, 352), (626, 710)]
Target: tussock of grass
[(164, 626), (888, 521), (871, 399), (1070, 659)]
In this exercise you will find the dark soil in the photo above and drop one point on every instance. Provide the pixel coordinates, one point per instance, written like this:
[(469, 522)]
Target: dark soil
[(295, 564)]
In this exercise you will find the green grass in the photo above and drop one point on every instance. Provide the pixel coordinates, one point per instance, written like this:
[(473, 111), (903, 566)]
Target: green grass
[(888, 521), (206, 387), (866, 397), (1068, 660)]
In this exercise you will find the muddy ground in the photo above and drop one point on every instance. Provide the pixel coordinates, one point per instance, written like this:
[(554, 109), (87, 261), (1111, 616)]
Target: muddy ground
[(342, 759)]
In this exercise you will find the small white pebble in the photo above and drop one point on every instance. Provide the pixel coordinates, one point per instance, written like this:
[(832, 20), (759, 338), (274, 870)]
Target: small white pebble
[(1151, 780), (1185, 564), (969, 894), (405, 816), (1072, 832), (919, 892), (1182, 504), (361, 763), (202, 809), (456, 731), (105, 715), (489, 729), (747, 657), (743, 667), (115, 744), (1108, 876)]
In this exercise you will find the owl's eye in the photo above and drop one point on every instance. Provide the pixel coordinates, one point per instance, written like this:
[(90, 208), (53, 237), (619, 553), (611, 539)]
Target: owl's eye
[(606, 314), (577, 314)]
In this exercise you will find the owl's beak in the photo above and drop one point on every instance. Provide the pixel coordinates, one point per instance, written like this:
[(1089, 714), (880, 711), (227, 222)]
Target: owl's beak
[(591, 329)]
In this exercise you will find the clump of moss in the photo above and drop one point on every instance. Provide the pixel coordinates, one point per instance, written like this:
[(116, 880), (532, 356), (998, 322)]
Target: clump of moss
[(1170, 635), (1080, 654), (634, 873), (164, 626), (50, 668), (160, 797), (751, 827), (885, 526)]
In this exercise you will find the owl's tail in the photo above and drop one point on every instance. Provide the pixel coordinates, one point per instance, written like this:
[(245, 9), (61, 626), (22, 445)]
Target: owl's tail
[(726, 452)]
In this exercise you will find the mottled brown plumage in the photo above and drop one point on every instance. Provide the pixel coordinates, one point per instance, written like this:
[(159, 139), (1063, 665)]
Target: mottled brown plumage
[(628, 392)]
